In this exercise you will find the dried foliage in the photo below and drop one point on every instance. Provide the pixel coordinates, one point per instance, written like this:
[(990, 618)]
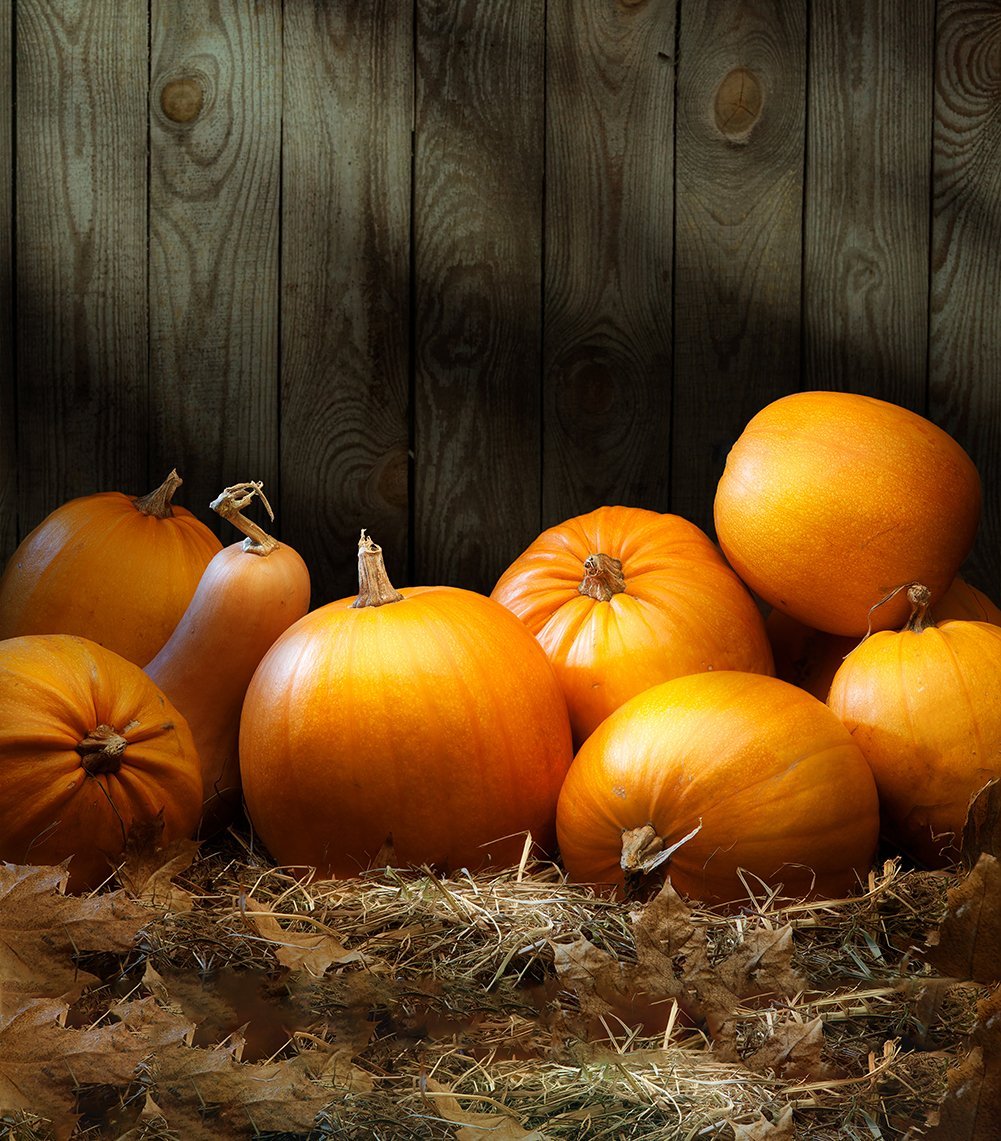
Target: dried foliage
[(208, 994)]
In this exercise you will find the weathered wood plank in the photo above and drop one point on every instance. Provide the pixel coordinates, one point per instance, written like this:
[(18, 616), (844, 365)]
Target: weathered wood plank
[(866, 244), (609, 250), (477, 218), (965, 349), (8, 405), (348, 116), (215, 115), (740, 140), (81, 337)]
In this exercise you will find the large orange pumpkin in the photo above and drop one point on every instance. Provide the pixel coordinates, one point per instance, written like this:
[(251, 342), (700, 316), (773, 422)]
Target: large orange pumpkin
[(88, 747), (715, 776), (810, 658), (829, 501), (426, 718), (624, 598), (924, 706), (113, 568)]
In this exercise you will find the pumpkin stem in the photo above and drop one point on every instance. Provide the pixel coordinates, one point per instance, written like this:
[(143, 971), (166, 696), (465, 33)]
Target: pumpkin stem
[(102, 750), (602, 578), (157, 502), (230, 504), (919, 596), (374, 587)]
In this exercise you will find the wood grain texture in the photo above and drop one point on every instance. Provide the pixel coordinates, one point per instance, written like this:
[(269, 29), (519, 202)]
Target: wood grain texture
[(609, 252), (348, 116), (81, 337), (739, 169), (8, 404), (965, 345), (215, 137), (478, 223), (866, 243)]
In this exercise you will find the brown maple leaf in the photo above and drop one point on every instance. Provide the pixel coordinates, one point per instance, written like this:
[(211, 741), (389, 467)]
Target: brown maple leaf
[(42, 928), (793, 1050), (311, 951), (149, 867), (982, 831), (761, 965), (968, 943)]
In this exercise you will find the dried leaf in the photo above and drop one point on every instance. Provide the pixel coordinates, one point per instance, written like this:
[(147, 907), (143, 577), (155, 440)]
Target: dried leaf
[(765, 1130), (968, 943), (41, 928), (761, 964), (149, 867), (982, 831), (476, 1126), (312, 951), (793, 1051)]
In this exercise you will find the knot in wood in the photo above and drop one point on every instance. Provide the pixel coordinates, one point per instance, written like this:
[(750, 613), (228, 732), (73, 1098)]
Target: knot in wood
[(739, 98), (182, 99)]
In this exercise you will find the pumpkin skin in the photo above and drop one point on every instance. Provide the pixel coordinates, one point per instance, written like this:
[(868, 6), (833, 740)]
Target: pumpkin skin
[(810, 658), (251, 592), (829, 501), (116, 569), (924, 706), (682, 609), (776, 782), (58, 802), (433, 720)]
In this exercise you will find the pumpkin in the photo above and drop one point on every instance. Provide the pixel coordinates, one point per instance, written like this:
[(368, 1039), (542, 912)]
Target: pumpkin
[(89, 748), (924, 706), (810, 658), (425, 723), (717, 781), (251, 592), (829, 501), (113, 568), (623, 598)]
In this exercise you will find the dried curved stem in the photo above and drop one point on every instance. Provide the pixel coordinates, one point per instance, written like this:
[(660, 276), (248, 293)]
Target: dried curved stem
[(230, 504), (374, 587), (157, 502), (101, 750)]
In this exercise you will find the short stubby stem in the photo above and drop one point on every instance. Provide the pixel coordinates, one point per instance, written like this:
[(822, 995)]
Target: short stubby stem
[(101, 750), (157, 503), (374, 587), (919, 596), (603, 578)]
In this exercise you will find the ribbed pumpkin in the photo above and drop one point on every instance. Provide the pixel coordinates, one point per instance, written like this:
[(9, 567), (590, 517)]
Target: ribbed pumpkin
[(426, 718), (623, 598), (88, 747), (810, 658), (924, 706), (709, 774), (113, 568), (251, 592), (829, 501)]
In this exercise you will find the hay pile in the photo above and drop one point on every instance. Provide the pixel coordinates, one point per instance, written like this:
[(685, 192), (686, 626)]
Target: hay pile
[(509, 1005)]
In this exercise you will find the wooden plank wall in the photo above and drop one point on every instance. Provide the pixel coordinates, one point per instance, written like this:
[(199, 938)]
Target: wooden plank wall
[(455, 271)]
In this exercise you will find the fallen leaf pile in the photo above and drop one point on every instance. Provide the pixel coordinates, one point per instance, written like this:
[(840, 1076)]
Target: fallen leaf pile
[(207, 994)]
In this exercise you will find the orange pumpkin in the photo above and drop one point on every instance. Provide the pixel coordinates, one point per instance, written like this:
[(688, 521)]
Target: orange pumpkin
[(426, 718), (810, 658), (251, 592), (113, 568), (88, 748), (717, 775), (624, 598), (924, 706), (829, 501)]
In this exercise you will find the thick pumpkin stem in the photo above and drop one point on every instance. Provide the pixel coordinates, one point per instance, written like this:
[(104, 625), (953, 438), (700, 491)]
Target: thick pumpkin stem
[(374, 587), (641, 848), (919, 597), (101, 750), (230, 504), (603, 578), (157, 502)]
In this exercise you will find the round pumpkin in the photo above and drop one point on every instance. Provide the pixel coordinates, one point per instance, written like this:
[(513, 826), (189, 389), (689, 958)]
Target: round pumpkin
[(810, 658), (113, 568), (830, 500), (624, 598), (924, 706), (719, 781), (423, 724), (89, 747)]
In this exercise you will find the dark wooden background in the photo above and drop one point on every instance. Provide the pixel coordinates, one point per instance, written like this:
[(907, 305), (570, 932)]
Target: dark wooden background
[(454, 270)]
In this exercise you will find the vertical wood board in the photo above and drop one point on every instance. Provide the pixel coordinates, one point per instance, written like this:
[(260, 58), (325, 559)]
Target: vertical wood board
[(8, 403), (348, 115), (80, 203), (608, 252), (865, 286), (739, 191), (478, 223), (215, 136)]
